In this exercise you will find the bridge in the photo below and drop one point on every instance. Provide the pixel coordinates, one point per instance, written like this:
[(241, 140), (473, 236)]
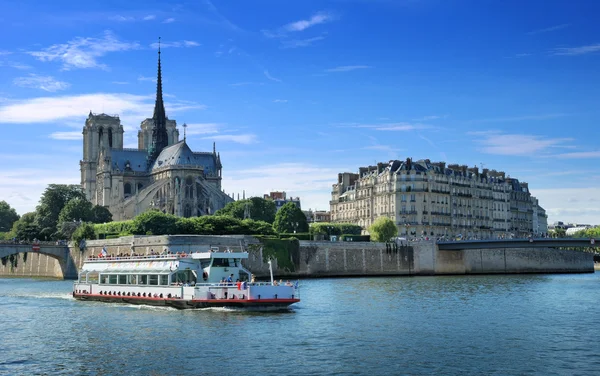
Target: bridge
[(58, 252), (518, 243)]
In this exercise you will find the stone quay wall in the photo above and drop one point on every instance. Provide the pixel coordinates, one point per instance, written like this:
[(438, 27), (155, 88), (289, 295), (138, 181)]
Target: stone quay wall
[(315, 259)]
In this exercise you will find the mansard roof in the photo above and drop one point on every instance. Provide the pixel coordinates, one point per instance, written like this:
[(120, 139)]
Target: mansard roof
[(180, 154), (129, 160)]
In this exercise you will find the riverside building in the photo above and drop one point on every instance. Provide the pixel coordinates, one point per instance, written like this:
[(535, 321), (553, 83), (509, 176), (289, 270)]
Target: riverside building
[(428, 199)]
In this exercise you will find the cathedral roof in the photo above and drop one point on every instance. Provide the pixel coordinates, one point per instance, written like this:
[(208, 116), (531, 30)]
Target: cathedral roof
[(129, 160), (178, 154)]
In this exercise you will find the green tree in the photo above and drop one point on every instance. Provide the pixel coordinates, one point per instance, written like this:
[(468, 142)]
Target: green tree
[(154, 222), (26, 227), (260, 209), (77, 209), (101, 214), (383, 229), (83, 232), (289, 219), (8, 216), (53, 200)]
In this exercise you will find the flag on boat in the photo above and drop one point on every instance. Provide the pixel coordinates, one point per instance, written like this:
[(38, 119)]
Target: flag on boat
[(104, 253)]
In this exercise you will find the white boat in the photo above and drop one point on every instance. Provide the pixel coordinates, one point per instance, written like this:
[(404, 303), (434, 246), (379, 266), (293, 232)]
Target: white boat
[(183, 280)]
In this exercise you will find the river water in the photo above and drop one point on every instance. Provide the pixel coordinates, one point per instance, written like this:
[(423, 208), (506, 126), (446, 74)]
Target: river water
[(486, 325)]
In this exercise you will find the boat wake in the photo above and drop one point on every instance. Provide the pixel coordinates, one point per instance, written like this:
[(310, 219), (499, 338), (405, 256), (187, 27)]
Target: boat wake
[(41, 296)]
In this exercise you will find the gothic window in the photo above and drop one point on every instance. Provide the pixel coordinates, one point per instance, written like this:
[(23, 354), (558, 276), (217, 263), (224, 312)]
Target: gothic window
[(127, 189), (140, 186), (189, 187), (110, 138), (187, 212), (100, 135)]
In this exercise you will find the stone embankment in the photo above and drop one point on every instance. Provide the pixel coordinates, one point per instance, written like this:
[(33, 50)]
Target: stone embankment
[(324, 259)]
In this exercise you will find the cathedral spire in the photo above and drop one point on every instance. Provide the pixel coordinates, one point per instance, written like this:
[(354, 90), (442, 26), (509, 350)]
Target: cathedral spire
[(160, 139)]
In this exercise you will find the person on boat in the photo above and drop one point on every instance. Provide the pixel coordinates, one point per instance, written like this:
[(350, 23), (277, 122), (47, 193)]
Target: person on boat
[(253, 279), (230, 280)]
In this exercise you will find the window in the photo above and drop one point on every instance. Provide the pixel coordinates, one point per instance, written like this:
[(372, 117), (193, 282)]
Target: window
[(110, 138), (132, 279), (153, 279), (122, 279), (164, 280), (142, 279), (112, 279), (127, 189)]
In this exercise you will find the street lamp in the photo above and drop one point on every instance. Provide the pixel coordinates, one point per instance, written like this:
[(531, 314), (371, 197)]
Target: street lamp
[(295, 224)]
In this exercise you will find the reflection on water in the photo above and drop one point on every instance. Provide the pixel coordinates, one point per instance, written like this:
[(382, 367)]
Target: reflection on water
[(520, 324)]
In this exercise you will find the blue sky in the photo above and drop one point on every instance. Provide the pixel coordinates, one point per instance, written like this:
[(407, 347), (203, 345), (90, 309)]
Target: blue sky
[(293, 92)]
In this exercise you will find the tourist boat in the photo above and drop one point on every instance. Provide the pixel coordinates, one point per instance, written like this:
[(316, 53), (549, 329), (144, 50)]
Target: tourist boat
[(183, 280)]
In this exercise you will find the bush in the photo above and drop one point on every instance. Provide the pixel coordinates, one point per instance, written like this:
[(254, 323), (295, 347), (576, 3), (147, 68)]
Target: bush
[(328, 228), (299, 236)]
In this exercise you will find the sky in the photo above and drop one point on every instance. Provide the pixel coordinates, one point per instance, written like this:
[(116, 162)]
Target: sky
[(294, 92)]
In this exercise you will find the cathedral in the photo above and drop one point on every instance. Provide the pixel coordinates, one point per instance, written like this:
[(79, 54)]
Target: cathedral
[(163, 173)]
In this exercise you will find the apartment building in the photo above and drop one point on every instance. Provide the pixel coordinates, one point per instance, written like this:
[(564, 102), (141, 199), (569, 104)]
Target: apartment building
[(432, 200)]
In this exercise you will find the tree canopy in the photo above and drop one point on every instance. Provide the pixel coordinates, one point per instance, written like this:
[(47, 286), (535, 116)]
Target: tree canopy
[(260, 209), (53, 200), (289, 219), (26, 227), (383, 229), (77, 209), (8, 216), (100, 214)]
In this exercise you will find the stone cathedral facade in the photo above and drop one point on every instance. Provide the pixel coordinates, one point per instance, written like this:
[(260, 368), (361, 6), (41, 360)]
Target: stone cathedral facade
[(163, 173)]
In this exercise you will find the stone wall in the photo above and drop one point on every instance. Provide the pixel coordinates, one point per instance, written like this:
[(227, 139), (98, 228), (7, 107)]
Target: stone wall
[(37, 265), (329, 259)]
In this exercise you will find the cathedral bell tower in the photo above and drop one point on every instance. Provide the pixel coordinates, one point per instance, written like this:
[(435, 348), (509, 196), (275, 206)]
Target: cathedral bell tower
[(160, 138)]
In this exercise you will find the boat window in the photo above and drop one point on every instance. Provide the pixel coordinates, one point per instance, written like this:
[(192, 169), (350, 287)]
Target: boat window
[(104, 279), (164, 280), (112, 279), (142, 279), (132, 279), (122, 279), (153, 278), (220, 262)]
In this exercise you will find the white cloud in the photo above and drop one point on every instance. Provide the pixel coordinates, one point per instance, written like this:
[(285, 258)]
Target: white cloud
[(120, 82), (576, 205), (548, 29), (401, 127), (149, 17), (245, 139), (266, 72), (581, 50), (516, 144), (49, 109), (47, 83), (122, 18), (194, 129), (431, 117), (280, 101), (183, 43), (300, 43), (169, 20), (309, 182), (14, 64), (347, 68), (144, 78), (83, 52), (4, 53), (580, 155), (74, 135), (316, 19)]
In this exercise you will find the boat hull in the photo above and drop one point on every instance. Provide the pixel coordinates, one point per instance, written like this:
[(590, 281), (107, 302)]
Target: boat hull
[(281, 304)]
